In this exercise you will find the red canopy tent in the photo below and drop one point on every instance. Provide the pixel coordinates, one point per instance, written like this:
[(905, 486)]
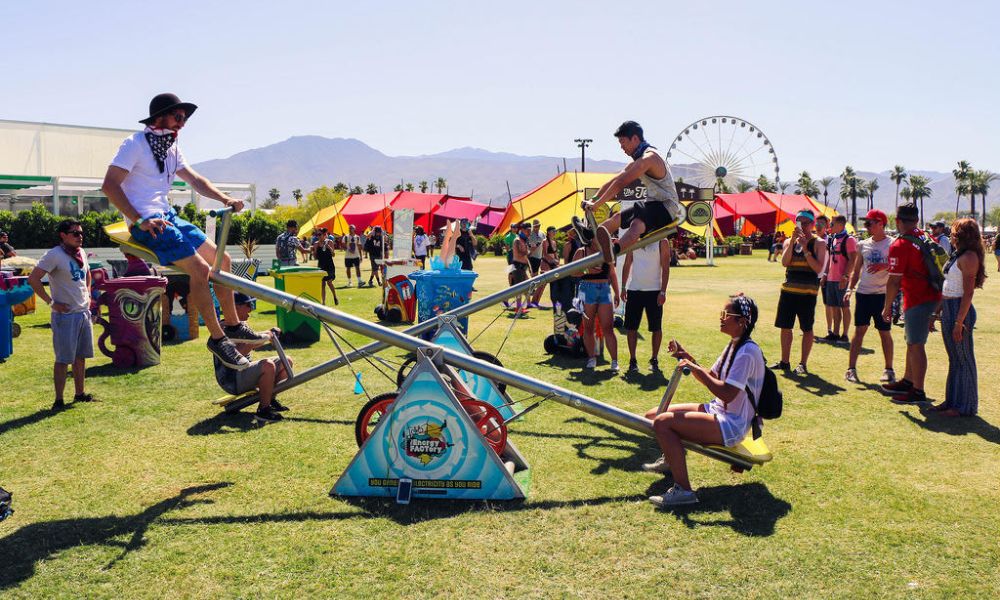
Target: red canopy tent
[(363, 210), (423, 206), (454, 209), (790, 203), (724, 218), (755, 208)]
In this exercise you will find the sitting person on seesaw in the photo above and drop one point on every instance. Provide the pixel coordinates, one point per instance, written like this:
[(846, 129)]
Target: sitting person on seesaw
[(261, 375), (725, 420)]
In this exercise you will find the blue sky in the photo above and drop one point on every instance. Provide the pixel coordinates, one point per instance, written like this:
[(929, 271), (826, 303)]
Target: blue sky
[(869, 84)]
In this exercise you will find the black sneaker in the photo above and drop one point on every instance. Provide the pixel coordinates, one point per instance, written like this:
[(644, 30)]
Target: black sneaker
[(267, 415), (225, 350), (654, 365), (633, 368), (242, 334), (844, 339), (583, 231), (783, 366), (910, 396), (277, 406), (830, 338), (58, 404), (897, 387), (84, 398)]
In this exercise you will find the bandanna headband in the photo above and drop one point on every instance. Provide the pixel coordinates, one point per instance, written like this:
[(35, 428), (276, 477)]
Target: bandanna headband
[(745, 306)]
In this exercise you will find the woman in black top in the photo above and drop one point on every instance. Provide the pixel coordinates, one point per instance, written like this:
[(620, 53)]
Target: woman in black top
[(323, 250)]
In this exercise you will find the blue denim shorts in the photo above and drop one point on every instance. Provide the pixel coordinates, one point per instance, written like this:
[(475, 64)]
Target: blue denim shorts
[(595, 293), (177, 242)]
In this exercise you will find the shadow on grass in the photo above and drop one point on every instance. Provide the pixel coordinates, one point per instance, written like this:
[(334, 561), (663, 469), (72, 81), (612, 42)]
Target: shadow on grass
[(36, 542), (754, 511), (110, 370), (33, 418), (240, 422), (637, 448), (648, 382), (974, 425), (813, 384)]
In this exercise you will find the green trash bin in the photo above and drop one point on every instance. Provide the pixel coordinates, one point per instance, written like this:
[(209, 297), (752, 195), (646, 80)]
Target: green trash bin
[(306, 282)]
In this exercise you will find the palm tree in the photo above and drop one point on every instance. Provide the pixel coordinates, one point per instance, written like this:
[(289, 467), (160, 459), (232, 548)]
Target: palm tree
[(806, 185), (962, 174), (920, 189), (441, 183), (872, 188), (849, 189), (423, 187), (980, 184), (765, 185), (371, 189), (743, 186), (409, 187), (784, 185), (398, 187), (826, 182), (898, 176)]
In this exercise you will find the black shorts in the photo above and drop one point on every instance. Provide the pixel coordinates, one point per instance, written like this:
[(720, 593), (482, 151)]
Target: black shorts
[(792, 306), (653, 214), (639, 301), (868, 308), (352, 262), (520, 273), (536, 263), (331, 272)]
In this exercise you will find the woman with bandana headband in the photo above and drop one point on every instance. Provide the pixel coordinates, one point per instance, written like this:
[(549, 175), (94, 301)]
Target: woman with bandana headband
[(728, 417), (138, 183)]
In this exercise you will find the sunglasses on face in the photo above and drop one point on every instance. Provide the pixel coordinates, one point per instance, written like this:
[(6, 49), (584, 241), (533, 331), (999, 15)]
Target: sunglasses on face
[(725, 315), (75, 233), (179, 115)]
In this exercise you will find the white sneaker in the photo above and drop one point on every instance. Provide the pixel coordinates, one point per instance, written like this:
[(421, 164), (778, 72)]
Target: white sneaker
[(349, 284), (851, 376), (659, 465), (591, 363), (614, 366), (675, 496), (888, 376)]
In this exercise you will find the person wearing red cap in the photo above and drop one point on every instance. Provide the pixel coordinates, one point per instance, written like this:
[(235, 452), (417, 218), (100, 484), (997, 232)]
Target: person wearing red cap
[(138, 183), (866, 282)]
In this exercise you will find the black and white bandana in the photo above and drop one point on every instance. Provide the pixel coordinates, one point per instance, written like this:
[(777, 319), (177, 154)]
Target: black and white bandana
[(160, 141), (744, 305)]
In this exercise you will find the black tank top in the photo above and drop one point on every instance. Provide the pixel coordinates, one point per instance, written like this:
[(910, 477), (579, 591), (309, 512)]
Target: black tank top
[(324, 256)]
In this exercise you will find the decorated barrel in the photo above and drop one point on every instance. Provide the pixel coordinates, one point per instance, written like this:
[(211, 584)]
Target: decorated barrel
[(13, 291), (133, 324), (442, 290)]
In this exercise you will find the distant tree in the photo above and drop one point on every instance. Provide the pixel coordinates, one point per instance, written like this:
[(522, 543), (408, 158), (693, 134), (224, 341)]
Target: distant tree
[(272, 200), (849, 189), (898, 176), (297, 194), (441, 183), (871, 187), (765, 185), (398, 187), (806, 185), (341, 188), (423, 187), (993, 217), (920, 189), (721, 187), (409, 187), (743, 186), (962, 176), (826, 182), (357, 190), (784, 185), (371, 189), (980, 184)]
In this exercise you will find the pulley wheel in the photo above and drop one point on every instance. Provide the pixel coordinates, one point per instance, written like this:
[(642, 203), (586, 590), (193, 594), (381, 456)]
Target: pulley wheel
[(407, 365), (489, 421), (371, 414)]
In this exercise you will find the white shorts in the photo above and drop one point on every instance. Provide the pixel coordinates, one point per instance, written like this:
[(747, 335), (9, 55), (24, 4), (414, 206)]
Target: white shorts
[(733, 429)]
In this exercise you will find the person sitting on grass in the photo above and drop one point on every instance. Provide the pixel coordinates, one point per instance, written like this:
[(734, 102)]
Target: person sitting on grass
[(261, 375), (725, 420)]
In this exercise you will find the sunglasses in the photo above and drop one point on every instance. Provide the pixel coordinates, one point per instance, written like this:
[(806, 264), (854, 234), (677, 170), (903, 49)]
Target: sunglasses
[(179, 115), (724, 315), (75, 233)]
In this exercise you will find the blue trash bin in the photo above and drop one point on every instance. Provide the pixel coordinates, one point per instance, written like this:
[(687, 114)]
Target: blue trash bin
[(13, 290), (442, 290)]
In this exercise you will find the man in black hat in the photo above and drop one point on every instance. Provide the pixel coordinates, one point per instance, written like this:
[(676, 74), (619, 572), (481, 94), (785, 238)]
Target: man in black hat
[(138, 183)]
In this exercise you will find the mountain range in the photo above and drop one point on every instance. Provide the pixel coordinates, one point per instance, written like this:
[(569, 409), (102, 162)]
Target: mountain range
[(308, 162)]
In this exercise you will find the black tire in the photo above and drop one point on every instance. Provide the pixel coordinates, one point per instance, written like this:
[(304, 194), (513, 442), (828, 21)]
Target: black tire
[(15, 330), (169, 333), (404, 369), (363, 419), (551, 344), (394, 315)]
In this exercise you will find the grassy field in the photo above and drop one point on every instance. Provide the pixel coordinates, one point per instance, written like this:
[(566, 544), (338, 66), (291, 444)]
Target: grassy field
[(151, 492)]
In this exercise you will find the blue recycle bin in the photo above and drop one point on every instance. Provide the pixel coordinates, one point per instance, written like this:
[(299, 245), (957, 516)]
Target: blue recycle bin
[(13, 290), (442, 290)]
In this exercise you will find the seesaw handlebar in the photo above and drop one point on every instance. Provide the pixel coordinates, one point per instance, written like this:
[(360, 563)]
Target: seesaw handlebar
[(218, 212)]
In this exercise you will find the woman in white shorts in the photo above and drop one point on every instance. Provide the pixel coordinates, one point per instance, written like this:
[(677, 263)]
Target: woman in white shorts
[(725, 420)]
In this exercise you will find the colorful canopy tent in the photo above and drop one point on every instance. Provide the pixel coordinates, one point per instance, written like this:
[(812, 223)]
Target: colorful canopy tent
[(328, 217), (454, 209), (489, 221), (725, 220), (362, 210), (423, 205), (755, 208)]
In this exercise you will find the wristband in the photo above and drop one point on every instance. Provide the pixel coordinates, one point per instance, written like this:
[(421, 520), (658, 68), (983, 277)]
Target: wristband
[(138, 222), (49, 302)]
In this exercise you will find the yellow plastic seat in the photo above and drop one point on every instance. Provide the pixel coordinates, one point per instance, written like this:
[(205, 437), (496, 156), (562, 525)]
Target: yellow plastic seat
[(119, 234)]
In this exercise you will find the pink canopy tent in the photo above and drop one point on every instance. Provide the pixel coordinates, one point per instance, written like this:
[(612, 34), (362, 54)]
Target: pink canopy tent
[(363, 210), (489, 221), (423, 205), (792, 204), (724, 218), (454, 209), (755, 208)]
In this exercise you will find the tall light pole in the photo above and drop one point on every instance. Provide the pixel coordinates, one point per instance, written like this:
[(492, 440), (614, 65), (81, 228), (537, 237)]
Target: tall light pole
[(582, 143)]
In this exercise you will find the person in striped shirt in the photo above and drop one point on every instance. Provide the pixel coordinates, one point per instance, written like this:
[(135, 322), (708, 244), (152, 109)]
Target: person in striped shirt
[(803, 256)]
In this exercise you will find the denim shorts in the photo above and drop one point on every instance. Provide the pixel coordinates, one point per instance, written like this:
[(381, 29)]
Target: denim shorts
[(918, 322), (178, 241), (72, 336), (595, 292)]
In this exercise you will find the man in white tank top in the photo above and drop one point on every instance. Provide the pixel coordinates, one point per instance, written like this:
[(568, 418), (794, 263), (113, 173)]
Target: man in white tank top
[(646, 274), (661, 207)]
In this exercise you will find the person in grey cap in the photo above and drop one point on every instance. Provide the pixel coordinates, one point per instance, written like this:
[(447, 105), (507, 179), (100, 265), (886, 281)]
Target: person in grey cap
[(138, 183)]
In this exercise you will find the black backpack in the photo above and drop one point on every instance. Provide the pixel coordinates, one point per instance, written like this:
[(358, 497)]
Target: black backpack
[(5, 500), (771, 401), (934, 258)]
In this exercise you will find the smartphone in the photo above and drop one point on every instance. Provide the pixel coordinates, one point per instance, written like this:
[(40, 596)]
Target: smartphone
[(404, 491)]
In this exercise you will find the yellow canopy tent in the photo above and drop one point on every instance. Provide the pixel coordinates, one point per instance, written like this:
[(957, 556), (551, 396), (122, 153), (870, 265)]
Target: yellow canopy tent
[(329, 217)]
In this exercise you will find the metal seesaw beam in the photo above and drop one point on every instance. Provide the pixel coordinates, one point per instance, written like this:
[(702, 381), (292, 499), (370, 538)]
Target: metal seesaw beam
[(461, 311)]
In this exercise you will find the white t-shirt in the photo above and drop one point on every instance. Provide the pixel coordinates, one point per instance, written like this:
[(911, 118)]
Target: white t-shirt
[(747, 370), (535, 242), (145, 187), (646, 275), (874, 253), (420, 245), (352, 246), (67, 279)]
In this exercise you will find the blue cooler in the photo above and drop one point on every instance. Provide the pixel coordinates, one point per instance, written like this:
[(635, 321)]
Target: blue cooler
[(442, 290)]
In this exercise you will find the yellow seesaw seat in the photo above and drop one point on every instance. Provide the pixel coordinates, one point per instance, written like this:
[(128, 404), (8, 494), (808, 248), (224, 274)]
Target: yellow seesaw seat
[(119, 234), (752, 450)]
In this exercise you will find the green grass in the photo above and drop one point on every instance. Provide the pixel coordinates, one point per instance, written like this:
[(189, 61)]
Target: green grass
[(863, 498)]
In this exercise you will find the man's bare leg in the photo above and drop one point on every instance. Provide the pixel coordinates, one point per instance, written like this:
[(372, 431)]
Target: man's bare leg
[(225, 295), (197, 269)]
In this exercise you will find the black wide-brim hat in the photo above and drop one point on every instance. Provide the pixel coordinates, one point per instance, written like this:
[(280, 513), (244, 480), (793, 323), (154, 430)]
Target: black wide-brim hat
[(164, 103)]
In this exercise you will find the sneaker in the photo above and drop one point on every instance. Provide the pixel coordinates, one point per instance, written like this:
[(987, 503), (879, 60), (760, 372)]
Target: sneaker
[(897, 386), (226, 352), (242, 334), (58, 404), (267, 415), (277, 406), (801, 369), (614, 366), (852, 376), (660, 465), (780, 366), (654, 365), (583, 231), (591, 363), (675, 496), (533, 305), (604, 241), (844, 339), (830, 337), (911, 396), (633, 368), (888, 376), (84, 398)]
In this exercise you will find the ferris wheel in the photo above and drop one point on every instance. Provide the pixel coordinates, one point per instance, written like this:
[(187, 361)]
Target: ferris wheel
[(720, 151)]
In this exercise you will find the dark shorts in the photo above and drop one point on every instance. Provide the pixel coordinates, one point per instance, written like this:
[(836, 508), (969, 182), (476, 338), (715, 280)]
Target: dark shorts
[(536, 263), (639, 302), (868, 308), (653, 214), (795, 306), (352, 262), (520, 273), (918, 321), (331, 272), (178, 241), (240, 382), (833, 295)]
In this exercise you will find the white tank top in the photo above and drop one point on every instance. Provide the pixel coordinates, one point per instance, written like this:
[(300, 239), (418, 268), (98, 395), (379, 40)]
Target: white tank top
[(953, 284)]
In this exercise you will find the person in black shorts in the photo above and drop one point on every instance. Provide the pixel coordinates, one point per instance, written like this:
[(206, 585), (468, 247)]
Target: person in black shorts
[(645, 276), (803, 256), (323, 250), (375, 249)]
